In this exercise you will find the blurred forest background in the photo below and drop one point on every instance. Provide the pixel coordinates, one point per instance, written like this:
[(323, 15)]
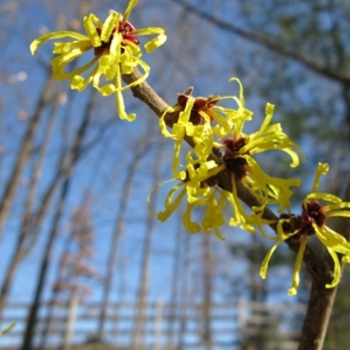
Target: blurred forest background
[(81, 257)]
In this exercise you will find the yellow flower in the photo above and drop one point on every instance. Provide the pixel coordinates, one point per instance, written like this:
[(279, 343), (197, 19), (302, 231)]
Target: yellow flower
[(238, 158), (200, 190), (116, 52), (7, 329), (312, 221), (201, 118)]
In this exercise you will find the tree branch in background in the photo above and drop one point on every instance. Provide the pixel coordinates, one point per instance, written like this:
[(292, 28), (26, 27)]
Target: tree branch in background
[(73, 158), (312, 64), (47, 97), (319, 267), (140, 151)]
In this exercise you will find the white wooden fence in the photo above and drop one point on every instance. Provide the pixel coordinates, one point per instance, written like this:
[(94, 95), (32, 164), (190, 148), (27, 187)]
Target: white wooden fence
[(242, 325)]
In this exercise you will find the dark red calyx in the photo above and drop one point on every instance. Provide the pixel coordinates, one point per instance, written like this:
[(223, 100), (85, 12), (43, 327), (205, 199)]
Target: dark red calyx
[(313, 211), (104, 47), (237, 166), (233, 146), (293, 223), (127, 29)]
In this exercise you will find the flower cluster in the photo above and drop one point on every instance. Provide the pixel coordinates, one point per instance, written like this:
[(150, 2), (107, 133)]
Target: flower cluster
[(312, 222), (116, 51), (223, 154), (217, 130)]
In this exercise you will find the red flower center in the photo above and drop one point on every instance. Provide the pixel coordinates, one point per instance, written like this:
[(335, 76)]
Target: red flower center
[(311, 212), (200, 104), (235, 164), (125, 29)]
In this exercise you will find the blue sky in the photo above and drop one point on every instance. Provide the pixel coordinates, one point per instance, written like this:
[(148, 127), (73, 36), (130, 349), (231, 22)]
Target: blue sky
[(196, 54)]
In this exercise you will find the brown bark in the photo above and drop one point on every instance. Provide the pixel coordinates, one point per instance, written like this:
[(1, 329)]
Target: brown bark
[(321, 299)]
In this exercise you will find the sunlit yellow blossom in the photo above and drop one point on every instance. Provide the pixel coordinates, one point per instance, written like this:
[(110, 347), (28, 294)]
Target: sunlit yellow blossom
[(200, 190), (201, 118), (115, 48), (312, 221), (7, 329), (238, 157)]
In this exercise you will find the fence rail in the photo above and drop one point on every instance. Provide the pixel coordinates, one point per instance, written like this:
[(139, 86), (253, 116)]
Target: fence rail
[(163, 325)]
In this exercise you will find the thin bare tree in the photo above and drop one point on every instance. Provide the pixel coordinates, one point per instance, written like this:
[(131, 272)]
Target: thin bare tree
[(140, 322), (208, 276), (20, 250), (75, 153), (47, 96), (142, 146)]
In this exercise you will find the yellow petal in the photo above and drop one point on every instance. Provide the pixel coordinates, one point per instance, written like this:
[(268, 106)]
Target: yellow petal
[(110, 23), (337, 206), (120, 101), (189, 225), (162, 125), (7, 329), (129, 61), (63, 48), (171, 204), (265, 262), (176, 162), (131, 5), (213, 217), (337, 269), (326, 197), (61, 60), (269, 109), (79, 83), (90, 28), (322, 169), (103, 66), (332, 239), (152, 192), (297, 267), (76, 71), (239, 216), (154, 43), (55, 35)]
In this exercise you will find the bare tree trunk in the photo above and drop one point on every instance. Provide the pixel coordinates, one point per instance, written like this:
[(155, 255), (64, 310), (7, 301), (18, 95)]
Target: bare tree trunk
[(24, 152), (54, 296), (158, 318), (75, 153), (19, 251), (31, 223), (140, 320), (175, 279), (65, 250), (69, 329), (208, 291), (118, 229), (184, 300), (31, 320)]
